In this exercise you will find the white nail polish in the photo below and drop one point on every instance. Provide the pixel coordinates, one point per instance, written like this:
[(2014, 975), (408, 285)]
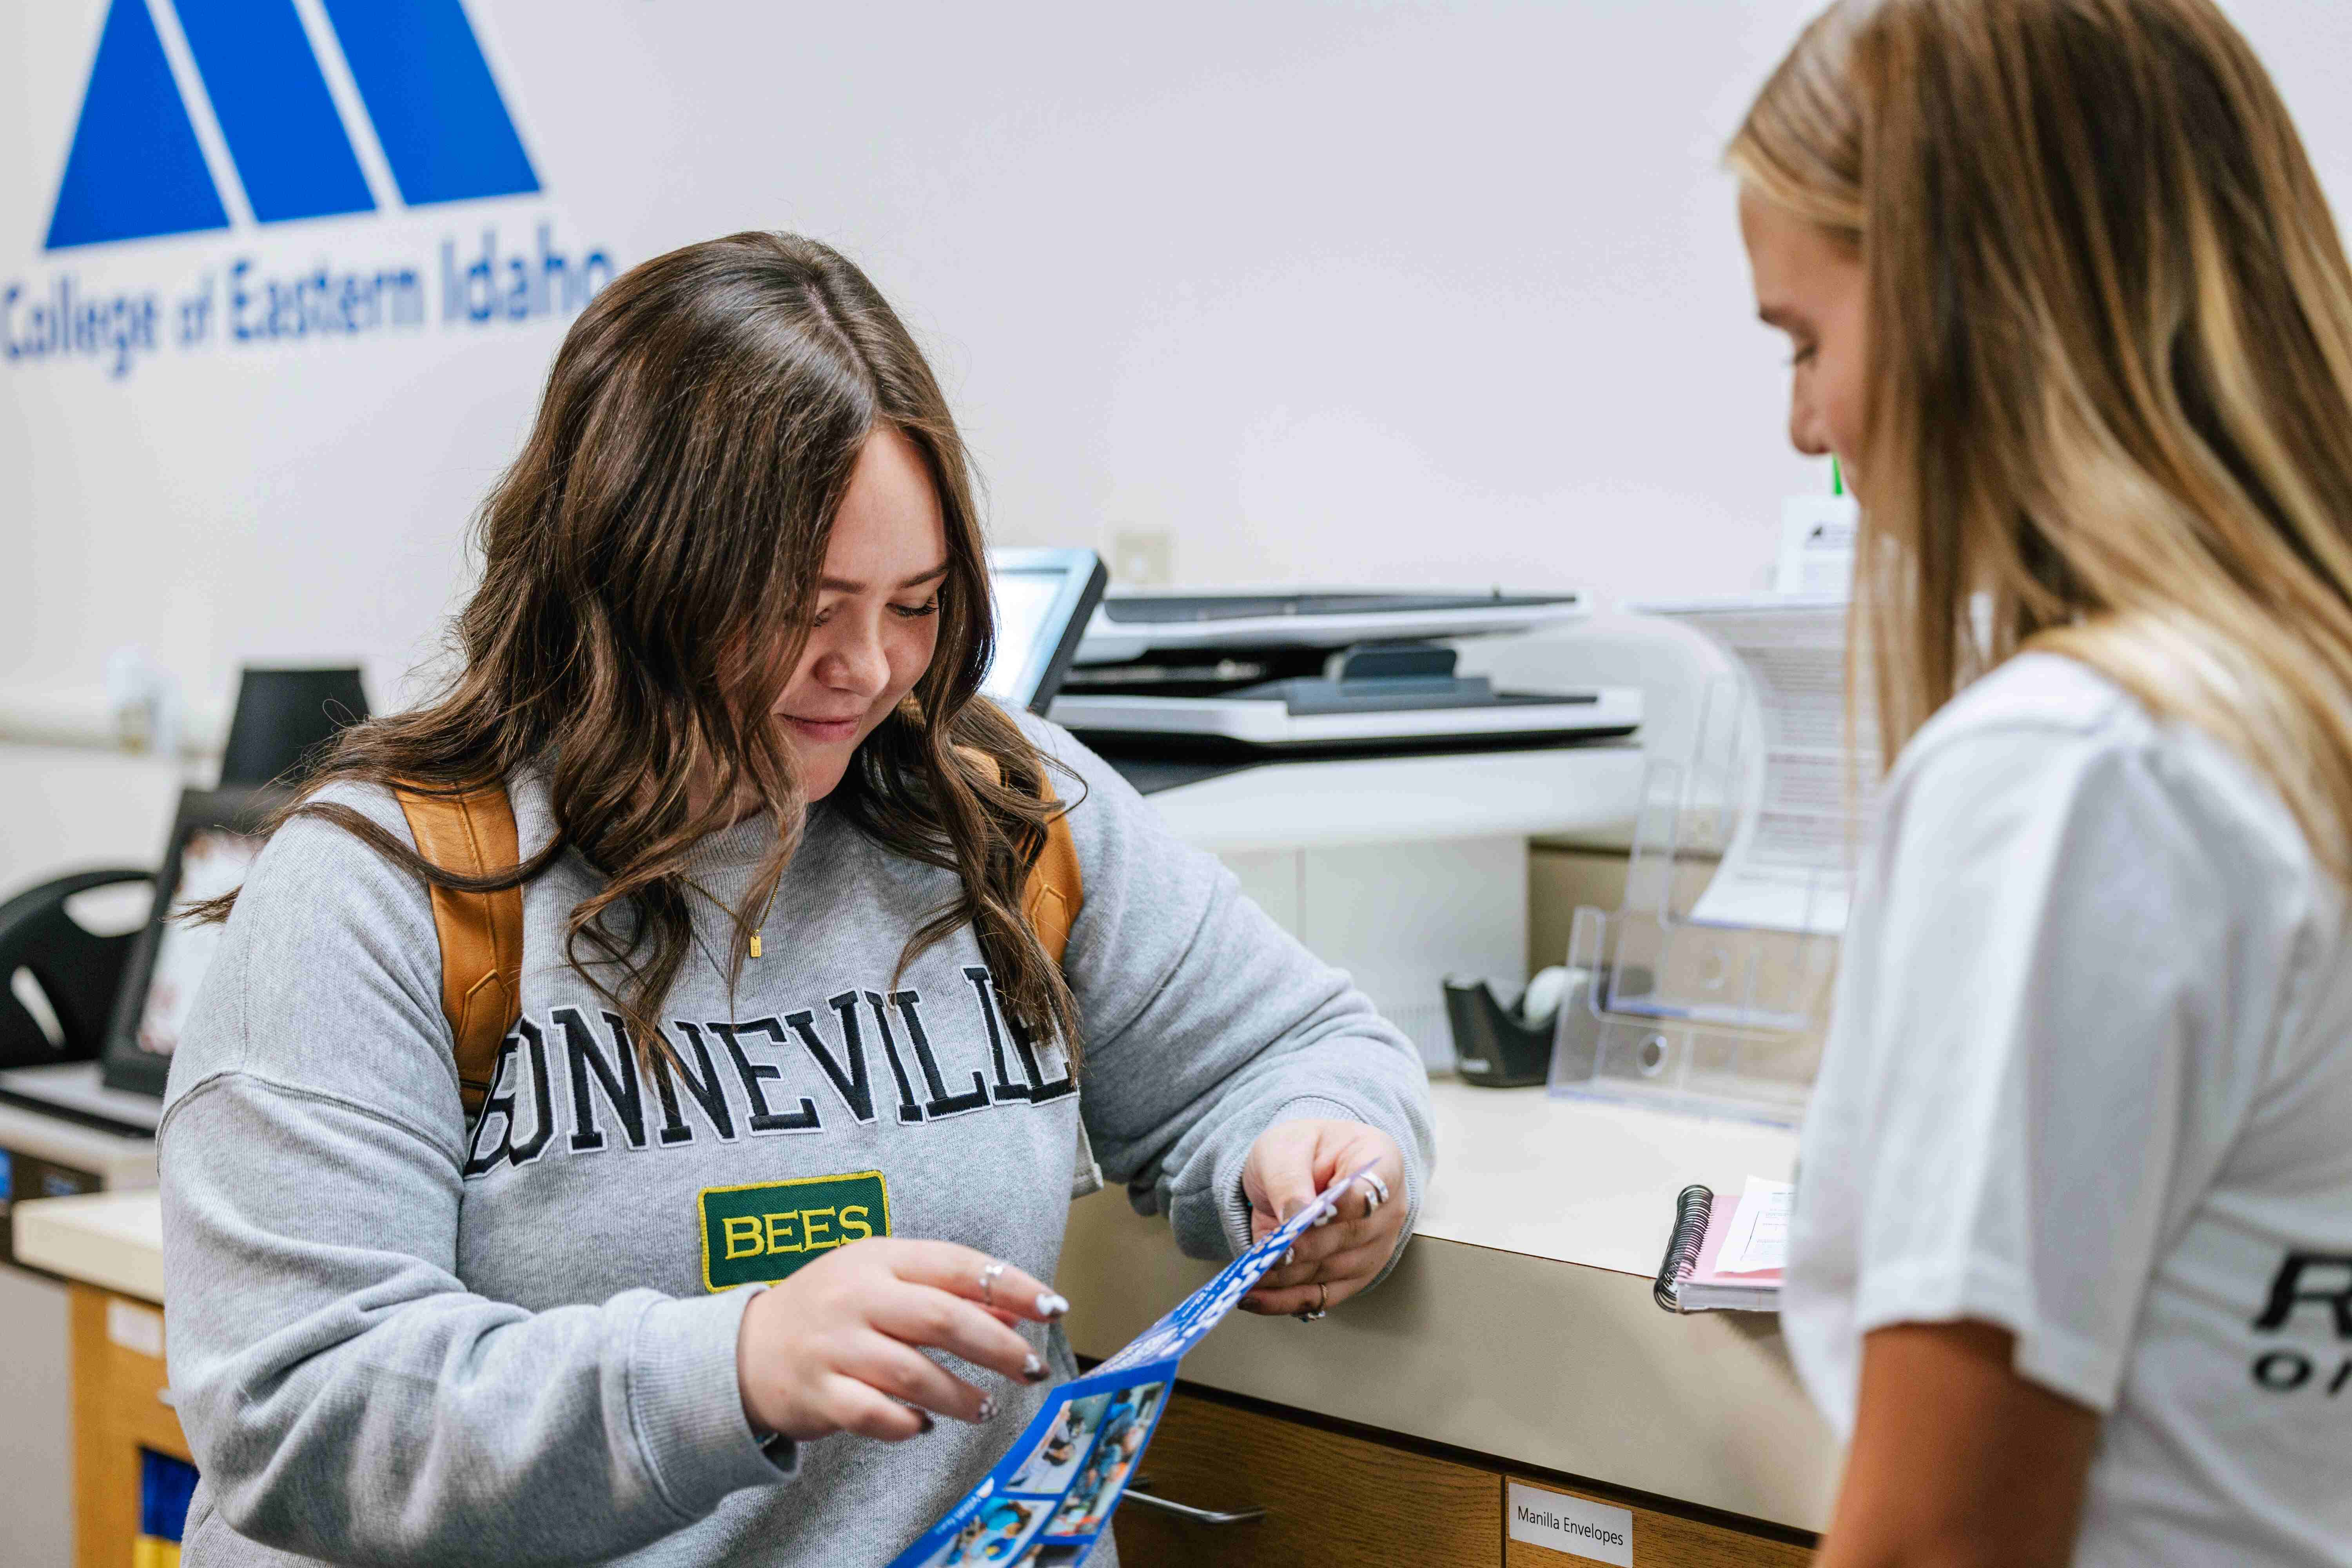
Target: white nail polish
[(987, 1408), (1050, 1305), (1031, 1367)]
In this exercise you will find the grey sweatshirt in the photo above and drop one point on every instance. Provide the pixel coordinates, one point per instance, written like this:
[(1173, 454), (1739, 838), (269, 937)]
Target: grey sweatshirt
[(395, 1338)]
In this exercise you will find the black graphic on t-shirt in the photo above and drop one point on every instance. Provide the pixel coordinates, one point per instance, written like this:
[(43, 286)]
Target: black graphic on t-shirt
[(733, 1077), (702, 1081), (2307, 1279), (847, 1072), (499, 1105), (941, 1103), (907, 1109), (1025, 1044), (977, 975), (616, 1079), (753, 1075)]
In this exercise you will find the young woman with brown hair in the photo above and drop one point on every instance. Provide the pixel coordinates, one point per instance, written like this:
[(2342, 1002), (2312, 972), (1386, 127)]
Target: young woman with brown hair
[(793, 1093), (2072, 1263)]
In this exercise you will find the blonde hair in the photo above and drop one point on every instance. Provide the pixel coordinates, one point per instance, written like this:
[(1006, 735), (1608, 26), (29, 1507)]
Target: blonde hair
[(2110, 363)]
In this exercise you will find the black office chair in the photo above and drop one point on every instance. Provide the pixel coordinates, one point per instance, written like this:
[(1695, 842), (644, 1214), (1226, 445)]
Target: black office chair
[(283, 721), (78, 971)]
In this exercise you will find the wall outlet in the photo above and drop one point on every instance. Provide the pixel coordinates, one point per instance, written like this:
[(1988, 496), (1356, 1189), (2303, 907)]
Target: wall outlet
[(1142, 558)]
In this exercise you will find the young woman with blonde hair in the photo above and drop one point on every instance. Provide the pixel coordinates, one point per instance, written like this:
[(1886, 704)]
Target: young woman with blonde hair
[(744, 1254), (2072, 1266)]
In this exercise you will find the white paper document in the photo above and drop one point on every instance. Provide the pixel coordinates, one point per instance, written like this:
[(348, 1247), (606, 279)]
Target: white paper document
[(1757, 1242), (1788, 865), (1817, 534)]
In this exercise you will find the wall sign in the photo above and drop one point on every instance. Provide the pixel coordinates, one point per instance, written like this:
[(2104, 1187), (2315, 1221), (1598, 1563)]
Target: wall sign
[(301, 104)]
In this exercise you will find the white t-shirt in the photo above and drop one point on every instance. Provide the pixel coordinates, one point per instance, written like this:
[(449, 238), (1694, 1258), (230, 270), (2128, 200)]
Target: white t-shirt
[(2090, 1079)]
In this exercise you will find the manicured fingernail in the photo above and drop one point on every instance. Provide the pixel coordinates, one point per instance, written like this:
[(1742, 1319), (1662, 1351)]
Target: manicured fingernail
[(987, 1408), (1032, 1369), (925, 1417), (1287, 1254), (1049, 1305), (1321, 1220)]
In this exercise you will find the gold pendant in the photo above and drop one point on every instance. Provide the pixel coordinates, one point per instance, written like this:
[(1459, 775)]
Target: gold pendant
[(755, 944)]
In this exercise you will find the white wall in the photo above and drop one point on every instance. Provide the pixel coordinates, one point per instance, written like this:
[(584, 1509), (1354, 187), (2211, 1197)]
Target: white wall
[(1406, 293)]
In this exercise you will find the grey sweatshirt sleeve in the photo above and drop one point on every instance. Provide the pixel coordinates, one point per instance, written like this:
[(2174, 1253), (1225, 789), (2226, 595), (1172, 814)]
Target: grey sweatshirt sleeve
[(345, 1397), (1205, 1022)]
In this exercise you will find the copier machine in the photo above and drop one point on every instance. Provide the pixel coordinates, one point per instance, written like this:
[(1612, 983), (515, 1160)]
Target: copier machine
[(1373, 797)]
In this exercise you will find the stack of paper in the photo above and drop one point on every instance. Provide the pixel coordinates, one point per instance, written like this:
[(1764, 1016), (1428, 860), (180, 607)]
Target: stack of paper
[(1738, 1268)]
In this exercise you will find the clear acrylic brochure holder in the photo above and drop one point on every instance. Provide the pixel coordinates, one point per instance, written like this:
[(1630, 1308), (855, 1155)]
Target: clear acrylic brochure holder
[(1679, 1011)]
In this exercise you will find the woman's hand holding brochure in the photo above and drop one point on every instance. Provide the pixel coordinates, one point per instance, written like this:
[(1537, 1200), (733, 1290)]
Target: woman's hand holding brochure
[(837, 1346), (1048, 1503), (1287, 1166)]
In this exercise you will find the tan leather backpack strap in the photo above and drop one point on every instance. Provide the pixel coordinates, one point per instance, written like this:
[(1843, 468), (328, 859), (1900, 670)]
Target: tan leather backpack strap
[(1051, 898), (473, 835), (1055, 891), (1057, 888)]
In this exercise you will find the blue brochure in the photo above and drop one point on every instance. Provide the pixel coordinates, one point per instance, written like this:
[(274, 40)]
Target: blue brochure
[(1048, 1503)]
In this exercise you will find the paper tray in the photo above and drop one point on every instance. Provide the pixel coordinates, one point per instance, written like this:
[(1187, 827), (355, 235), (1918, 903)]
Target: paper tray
[(1683, 1013)]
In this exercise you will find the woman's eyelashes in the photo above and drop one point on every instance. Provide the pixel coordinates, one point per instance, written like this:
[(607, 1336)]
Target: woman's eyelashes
[(929, 606)]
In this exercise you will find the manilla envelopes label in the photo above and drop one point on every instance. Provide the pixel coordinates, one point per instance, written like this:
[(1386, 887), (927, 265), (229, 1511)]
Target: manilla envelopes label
[(1574, 1525), (1048, 1503)]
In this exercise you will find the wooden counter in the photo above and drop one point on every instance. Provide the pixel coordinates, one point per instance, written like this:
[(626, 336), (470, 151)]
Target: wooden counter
[(110, 1246), (1518, 1324), (1515, 1341), (114, 1240)]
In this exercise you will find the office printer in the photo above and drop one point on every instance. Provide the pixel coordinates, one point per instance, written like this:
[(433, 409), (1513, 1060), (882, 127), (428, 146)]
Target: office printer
[(1234, 674), (1373, 796)]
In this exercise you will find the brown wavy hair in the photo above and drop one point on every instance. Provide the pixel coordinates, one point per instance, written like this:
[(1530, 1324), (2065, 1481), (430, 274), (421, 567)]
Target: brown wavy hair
[(649, 570)]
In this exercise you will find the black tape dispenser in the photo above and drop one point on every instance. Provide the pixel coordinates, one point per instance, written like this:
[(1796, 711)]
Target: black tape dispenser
[(1500, 1047)]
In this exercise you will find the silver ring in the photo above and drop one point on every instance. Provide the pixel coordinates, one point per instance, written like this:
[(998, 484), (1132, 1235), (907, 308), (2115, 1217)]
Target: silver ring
[(1322, 1304), (1379, 1190), (988, 1278)]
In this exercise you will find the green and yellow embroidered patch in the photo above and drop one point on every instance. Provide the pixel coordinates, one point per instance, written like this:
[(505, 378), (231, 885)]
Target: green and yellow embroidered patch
[(763, 1231)]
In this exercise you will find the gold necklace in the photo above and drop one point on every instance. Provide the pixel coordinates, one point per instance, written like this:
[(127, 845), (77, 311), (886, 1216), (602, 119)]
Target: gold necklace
[(753, 949), (764, 914)]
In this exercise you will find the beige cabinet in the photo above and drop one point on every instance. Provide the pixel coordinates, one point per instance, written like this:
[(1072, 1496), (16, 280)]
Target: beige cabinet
[(120, 1407), (1278, 1491), (1326, 1498)]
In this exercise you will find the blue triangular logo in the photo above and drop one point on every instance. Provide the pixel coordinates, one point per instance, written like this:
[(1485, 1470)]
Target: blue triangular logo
[(430, 95), (135, 170), (274, 109)]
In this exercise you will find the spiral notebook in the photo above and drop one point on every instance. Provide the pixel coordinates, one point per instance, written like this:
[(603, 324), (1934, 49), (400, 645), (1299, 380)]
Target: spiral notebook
[(1726, 1256)]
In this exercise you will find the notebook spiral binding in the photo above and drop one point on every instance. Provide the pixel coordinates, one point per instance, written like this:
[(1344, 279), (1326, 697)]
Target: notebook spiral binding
[(1693, 1204)]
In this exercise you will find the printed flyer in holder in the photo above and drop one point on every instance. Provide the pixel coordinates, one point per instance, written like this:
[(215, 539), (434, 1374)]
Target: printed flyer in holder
[(1046, 1503)]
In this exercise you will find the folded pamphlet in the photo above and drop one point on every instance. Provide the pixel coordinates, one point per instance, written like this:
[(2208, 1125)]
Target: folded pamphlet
[(1049, 1500)]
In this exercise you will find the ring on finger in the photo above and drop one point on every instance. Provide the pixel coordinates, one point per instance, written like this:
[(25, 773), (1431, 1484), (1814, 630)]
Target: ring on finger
[(1376, 1191), (988, 1278), (1322, 1304)]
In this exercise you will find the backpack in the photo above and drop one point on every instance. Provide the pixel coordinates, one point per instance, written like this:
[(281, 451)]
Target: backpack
[(474, 835)]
